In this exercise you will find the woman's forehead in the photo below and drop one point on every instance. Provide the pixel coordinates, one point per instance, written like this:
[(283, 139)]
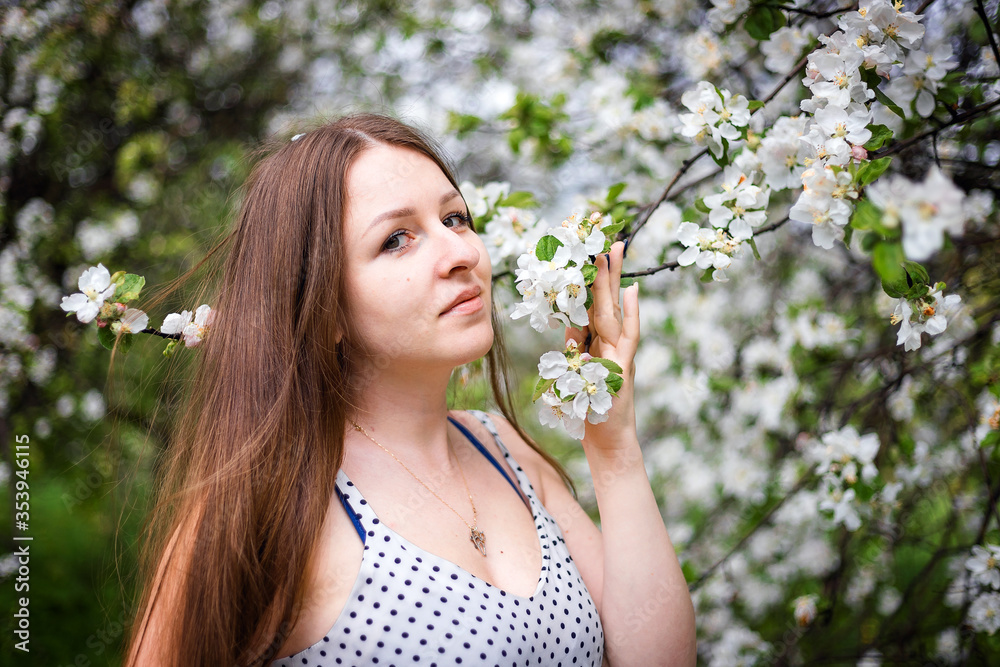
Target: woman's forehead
[(392, 178)]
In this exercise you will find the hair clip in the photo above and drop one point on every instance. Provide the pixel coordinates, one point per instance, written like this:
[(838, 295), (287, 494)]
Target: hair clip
[(298, 136)]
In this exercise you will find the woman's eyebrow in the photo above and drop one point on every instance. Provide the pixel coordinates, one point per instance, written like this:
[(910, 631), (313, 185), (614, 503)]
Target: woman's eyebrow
[(408, 211)]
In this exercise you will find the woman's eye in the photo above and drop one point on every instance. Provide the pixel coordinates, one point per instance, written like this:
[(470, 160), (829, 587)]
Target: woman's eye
[(458, 220), (394, 242)]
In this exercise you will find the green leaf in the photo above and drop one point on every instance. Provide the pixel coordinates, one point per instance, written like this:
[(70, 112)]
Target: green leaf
[(917, 292), (614, 191), (917, 273), (872, 170), (753, 246), (613, 229), (541, 387), (546, 248), (626, 282), (887, 259), (129, 288), (463, 123), (589, 272), (761, 21), (614, 383), (866, 216), (699, 204), (590, 299), (755, 104), (610, 365), (873, 80), (991, 440), (707, 276), (520, 199), (106, 337), (880, 134)]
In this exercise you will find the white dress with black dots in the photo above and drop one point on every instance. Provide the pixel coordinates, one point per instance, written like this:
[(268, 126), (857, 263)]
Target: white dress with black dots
[(410, 607)]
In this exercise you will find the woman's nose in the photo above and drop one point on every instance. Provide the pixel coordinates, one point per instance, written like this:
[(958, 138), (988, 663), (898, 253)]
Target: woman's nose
[(459, 251)]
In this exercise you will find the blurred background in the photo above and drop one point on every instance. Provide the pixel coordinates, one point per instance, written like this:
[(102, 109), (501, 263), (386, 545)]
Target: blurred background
[(127, 128)]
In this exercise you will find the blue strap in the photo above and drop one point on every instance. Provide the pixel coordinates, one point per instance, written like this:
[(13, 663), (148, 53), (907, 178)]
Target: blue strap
[(487, 454), (351, 513)]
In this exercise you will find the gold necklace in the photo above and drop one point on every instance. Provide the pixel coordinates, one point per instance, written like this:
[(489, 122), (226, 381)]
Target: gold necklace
[(477, 536)]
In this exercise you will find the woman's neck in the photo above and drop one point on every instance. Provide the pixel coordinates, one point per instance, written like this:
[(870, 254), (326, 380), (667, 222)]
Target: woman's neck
[(407, 414)]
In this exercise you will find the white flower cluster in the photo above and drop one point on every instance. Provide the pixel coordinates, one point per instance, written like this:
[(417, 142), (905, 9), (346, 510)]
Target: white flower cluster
[(715, 116), (872, 38), (191, 326), (725, 12), (805, 609), (573, 387), (733, 212), (984, 570), (552, 277), (708, 248), (925, 210), (925, 314), (95, 287), (103, 296), (842, 458), (784, 47), (922, 73), (825, 203), (740, 206), (508, 231)]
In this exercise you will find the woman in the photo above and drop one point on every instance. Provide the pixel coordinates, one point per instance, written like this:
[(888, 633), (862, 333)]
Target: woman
[(323, 506)]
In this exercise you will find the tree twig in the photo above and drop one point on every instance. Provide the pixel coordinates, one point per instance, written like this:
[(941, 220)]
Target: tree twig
[(961, 118), (981, 10)]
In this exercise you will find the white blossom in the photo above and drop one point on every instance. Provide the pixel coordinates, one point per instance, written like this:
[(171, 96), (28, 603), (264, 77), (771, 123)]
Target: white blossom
[(925, 210), (196, 331), (929, 314), (132, 321), (95, 286), (984, 564), (805, 609), (784, 47), (740, 206), (782, 154), (822, 204), (724, 12), (716, 115), (706, 248), (984, 613)]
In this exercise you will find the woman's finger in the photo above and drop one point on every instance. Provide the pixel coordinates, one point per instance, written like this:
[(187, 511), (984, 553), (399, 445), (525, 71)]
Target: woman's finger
[(606, 322), (630, 315), (577, 335), (617, 255)]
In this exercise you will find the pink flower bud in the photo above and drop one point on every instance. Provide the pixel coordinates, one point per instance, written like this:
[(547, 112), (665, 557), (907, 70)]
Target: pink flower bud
[(859, 153), (121, 307)]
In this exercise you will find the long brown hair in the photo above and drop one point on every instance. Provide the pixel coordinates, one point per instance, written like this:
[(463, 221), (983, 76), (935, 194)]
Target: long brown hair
[(252, 459)]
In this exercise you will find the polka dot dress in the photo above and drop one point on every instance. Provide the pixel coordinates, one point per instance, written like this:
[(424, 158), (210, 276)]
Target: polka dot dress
[(410, 607)]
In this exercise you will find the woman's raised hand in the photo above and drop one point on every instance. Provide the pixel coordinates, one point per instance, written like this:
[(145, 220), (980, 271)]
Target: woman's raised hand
[(614, 334)]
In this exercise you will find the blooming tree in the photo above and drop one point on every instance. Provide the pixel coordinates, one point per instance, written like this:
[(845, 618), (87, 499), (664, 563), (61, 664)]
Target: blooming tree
[(808, 195)]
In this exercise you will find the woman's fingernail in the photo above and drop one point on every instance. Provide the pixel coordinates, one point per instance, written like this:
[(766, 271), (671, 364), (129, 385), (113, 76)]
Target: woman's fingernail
[(625, 247)]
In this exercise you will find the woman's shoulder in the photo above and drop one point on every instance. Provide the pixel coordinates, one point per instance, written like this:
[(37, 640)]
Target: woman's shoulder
[(539, 471), (330, 575)]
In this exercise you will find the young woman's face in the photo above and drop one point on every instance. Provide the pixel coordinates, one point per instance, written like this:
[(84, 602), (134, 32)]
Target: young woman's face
[(418, 276)]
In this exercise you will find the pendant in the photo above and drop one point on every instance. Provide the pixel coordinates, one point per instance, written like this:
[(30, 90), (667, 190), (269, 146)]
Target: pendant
[(479, 539)]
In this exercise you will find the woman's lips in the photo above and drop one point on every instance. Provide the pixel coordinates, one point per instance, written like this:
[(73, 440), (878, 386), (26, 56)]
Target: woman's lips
[(467, 307)]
